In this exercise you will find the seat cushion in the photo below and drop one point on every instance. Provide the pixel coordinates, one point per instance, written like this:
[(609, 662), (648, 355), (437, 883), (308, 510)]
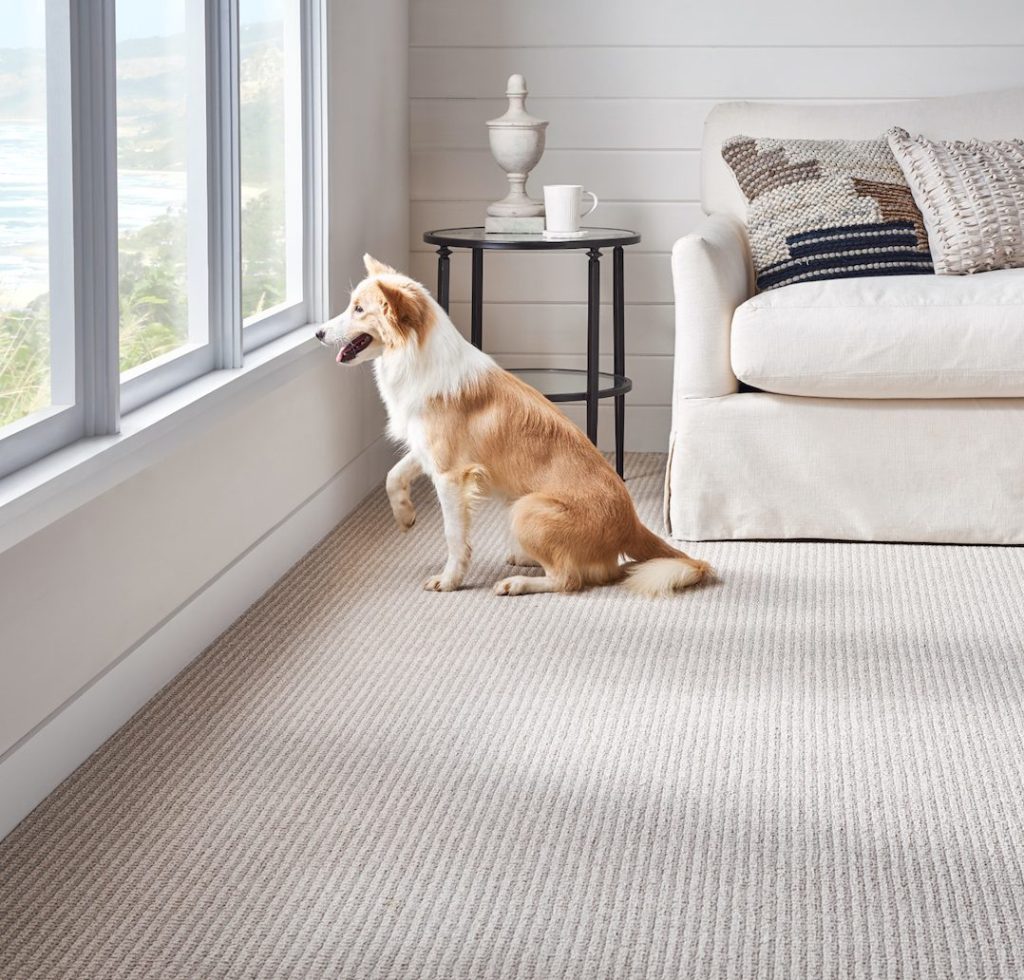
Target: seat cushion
[(895, 337)]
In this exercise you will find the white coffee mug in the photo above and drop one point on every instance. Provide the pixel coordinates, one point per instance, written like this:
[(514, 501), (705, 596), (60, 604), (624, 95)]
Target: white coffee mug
[(562, 206)]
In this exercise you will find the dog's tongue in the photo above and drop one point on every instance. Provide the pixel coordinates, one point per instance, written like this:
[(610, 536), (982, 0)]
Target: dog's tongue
[(353, 347)]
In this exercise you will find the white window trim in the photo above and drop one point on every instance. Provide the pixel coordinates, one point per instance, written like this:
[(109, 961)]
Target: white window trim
[(94, 138), (44, 447), (265, 326), (224, 182)]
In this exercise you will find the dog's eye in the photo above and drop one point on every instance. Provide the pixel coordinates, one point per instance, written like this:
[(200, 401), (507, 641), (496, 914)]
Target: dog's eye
[(357, 309)]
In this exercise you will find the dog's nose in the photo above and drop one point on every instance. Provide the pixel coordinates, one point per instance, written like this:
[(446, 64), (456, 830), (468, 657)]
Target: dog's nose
[(320, 334)]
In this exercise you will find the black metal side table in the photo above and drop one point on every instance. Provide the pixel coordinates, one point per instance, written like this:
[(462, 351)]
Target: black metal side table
[(558, 384)]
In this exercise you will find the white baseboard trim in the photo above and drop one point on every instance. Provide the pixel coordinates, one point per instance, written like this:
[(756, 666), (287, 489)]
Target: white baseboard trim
[(47, 755)]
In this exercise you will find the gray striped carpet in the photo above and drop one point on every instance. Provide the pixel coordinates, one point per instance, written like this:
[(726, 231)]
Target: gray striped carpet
[(812, 769)]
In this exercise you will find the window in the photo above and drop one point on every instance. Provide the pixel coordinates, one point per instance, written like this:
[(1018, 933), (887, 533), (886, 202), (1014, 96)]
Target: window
[(159, 175), (25, 376), (40, 407), (271, 171), (161, 160)]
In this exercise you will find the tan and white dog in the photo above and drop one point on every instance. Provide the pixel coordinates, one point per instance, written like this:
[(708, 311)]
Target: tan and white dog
[(478, 431)]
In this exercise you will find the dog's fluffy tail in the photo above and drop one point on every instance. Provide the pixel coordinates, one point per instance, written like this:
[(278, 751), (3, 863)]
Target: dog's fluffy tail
[(660, 569)]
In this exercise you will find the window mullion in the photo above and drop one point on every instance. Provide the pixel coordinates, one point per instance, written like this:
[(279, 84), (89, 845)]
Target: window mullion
[(314, 115), (94, 142), (224, 181)]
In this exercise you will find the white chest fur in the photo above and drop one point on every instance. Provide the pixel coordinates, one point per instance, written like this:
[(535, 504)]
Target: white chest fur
[(410, 378)]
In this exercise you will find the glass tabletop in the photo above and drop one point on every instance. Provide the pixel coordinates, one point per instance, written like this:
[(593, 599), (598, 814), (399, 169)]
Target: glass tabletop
[(478, 238), (570, 385)]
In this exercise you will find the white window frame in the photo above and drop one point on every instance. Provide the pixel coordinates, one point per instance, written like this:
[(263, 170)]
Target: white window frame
[(82, 268), (89, 396)]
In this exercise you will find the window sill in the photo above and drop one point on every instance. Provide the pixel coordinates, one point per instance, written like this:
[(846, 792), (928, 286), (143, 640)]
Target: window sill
[(37, 495)]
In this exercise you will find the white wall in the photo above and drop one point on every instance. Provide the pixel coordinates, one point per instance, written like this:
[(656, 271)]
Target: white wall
[(80, 594), (626, 87)]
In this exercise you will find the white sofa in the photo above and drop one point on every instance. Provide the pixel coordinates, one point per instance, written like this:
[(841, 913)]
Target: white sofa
[(885, 409)]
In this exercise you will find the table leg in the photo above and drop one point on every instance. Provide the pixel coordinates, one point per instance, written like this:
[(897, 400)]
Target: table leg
[(476, 333), (593, 340), (619, 353), (443, 276)]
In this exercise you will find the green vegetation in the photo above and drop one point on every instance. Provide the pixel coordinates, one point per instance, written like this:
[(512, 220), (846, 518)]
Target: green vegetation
[(263, 253), (24, 360), (153, 291), (262, 137), (153, 299)]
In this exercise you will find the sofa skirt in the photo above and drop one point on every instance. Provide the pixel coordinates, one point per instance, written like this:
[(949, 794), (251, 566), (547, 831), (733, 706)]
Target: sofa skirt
[(758, 465)]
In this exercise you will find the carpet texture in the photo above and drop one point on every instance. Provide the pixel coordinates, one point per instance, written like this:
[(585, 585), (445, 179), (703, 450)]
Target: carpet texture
[(811, 769)]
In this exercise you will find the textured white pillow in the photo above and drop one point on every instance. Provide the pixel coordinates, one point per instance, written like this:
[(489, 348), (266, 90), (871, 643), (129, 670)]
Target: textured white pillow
[(971, 195)]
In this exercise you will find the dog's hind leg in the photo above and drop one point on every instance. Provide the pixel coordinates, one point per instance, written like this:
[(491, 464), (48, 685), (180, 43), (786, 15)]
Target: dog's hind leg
[(519, 558), (516, 553), (546, 527), (458, 493), (400, 476)]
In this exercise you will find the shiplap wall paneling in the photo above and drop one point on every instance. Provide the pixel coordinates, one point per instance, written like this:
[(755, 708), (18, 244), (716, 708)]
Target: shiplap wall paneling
[(698, 23)]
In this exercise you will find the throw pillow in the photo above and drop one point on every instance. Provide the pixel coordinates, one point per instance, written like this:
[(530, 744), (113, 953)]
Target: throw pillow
[(972, 197), (826, 209)]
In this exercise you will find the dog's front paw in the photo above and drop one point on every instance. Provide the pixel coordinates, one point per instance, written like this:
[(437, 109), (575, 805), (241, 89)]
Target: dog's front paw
[(442, 583), (405, 519), (405, 514)]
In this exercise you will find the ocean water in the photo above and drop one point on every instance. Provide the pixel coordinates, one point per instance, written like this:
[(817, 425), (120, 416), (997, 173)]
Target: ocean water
[(143, 195)]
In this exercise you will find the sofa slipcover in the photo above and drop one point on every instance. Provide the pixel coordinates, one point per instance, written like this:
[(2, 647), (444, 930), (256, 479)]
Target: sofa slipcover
[(938, 457)]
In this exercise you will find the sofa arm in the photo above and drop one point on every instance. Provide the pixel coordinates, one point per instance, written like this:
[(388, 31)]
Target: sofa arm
[(711, 275)]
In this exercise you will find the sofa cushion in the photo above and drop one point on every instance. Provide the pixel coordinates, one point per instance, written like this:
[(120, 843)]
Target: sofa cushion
[(898, 337)]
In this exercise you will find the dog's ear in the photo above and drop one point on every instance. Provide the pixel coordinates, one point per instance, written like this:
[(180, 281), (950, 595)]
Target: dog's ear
[(375, 268), (405, 307)]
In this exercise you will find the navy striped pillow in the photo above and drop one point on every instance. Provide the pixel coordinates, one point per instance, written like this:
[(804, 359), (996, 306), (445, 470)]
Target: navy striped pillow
[(827, 209)]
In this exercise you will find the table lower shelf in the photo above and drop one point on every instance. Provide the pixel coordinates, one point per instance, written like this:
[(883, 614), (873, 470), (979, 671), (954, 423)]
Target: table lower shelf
[(570, 385)]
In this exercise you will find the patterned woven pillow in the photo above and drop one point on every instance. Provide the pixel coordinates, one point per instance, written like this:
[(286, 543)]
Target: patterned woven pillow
[(827, 209), (972, 198)]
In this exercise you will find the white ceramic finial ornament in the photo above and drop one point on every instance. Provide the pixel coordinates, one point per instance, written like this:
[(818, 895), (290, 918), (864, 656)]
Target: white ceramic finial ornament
[(517, 143)]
